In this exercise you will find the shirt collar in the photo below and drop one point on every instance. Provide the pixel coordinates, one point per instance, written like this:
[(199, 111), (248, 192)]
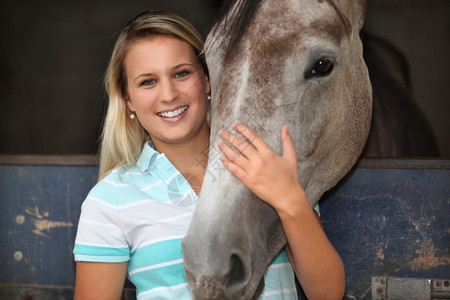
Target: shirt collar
[(148, 155)]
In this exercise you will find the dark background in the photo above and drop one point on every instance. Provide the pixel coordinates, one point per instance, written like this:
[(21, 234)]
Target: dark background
[(53, 55)]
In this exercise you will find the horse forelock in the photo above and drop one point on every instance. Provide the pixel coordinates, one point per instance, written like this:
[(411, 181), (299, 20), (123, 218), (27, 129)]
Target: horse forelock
[(232, 21)]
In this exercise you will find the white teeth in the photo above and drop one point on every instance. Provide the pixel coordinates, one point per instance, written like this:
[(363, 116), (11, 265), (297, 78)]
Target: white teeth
[(174, 113)]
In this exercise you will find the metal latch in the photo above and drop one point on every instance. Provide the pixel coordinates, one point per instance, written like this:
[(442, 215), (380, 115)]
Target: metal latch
[(402, 288)]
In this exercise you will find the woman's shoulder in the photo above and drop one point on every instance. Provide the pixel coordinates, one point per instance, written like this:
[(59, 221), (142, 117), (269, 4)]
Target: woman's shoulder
[(106, 189), (125, 185)]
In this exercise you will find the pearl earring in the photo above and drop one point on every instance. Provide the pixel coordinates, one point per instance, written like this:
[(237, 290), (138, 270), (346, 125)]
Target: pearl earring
[(209, 97), (132, 116)]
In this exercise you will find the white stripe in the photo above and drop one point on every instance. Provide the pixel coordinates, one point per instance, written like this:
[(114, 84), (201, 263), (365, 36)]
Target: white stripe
[(278, 292), (157, 266), (100, 201), (166, 220), (175, 218), (156, 161), (154, 241), (279, 266), (116, 184), (164, 288), (98, 223), (152, 185), (188, 194), (106, 244), (242, 91), (129, 172), (172, 177), (137, 203)]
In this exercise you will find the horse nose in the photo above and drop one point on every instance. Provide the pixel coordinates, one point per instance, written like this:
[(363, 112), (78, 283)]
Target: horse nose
[(211, 288), (228, 283)]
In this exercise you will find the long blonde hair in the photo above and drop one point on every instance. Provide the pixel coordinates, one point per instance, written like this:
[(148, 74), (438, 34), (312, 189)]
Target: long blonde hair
[(122, 138)]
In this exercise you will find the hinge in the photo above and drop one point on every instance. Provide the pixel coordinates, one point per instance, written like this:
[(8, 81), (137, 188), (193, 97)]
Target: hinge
[(403, 288)]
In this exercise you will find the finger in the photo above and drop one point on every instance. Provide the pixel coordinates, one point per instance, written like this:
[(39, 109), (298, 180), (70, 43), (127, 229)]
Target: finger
[(288, 146), (231, 154), (234, 169), (243, 146), (250, 135)]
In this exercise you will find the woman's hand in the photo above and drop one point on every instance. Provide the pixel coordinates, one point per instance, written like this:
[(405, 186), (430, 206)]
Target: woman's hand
[(264, 172)]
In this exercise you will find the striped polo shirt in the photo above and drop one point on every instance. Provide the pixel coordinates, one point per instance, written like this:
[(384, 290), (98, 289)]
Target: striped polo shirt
[(139, 215)]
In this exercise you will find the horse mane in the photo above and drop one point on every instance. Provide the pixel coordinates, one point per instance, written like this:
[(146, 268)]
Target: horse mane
[(235, 28)]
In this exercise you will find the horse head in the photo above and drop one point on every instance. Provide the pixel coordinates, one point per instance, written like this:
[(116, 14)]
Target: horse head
[(297, 62)]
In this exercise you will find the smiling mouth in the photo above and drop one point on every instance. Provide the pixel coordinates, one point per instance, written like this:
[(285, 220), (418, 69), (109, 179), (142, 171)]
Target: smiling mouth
[(173, 113)]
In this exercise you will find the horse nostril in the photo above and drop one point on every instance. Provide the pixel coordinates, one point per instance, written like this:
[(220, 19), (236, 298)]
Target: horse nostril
[(236, 277), (227, 286)]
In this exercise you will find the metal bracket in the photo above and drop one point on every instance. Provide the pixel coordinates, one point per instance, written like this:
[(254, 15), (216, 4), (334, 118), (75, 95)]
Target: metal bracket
[(402, 288)]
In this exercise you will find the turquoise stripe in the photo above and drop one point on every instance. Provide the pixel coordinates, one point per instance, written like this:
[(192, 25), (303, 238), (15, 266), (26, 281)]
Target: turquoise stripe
[(122, 186), (160, 277), (104, 191), (127, 195), (281, 258), (178, 293), (317, 208), (279, 279), (103, 259), (279, 283), (117, 191), (290, 294), (100, 251), (156, 253)]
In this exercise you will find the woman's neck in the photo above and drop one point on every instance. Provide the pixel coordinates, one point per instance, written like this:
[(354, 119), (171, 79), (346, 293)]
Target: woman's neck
[(190, 157)]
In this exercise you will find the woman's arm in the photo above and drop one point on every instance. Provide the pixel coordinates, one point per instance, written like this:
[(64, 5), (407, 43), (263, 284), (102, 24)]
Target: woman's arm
[(100, 281), (269, 175)]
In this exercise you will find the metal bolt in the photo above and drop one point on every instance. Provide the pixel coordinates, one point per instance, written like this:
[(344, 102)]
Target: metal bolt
[(18, 255), (438, 283), (446, 283), (20, 219), (383, 281), (380, 290)]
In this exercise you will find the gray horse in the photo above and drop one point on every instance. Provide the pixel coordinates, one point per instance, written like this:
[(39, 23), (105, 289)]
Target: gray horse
[(304, 68)]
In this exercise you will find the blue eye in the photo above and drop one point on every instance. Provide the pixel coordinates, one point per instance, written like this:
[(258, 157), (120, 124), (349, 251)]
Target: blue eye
[(148, 82), (181, 74)]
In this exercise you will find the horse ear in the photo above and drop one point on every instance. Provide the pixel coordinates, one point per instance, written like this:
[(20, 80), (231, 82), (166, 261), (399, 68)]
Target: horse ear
[(363, 7), (354, 10), (359, 12)]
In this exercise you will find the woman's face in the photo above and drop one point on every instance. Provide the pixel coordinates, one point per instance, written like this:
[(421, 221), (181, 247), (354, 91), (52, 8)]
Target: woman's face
[(167, 89)]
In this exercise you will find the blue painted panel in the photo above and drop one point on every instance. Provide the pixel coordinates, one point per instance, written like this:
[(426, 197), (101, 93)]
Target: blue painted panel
[(38, 221), (390, 222), (386, 218)]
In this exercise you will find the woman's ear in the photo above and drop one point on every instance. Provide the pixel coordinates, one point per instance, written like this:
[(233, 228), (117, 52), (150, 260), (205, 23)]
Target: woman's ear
[(208, 85), (129, 103)]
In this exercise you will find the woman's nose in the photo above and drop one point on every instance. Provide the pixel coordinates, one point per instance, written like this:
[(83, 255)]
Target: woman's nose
[(168, 91)]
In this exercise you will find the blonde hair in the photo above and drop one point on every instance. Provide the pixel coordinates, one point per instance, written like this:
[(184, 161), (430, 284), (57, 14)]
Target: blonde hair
[(122, 138)]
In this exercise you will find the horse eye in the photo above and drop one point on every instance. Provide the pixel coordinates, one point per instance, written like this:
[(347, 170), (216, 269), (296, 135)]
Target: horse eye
[(321, 68)]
